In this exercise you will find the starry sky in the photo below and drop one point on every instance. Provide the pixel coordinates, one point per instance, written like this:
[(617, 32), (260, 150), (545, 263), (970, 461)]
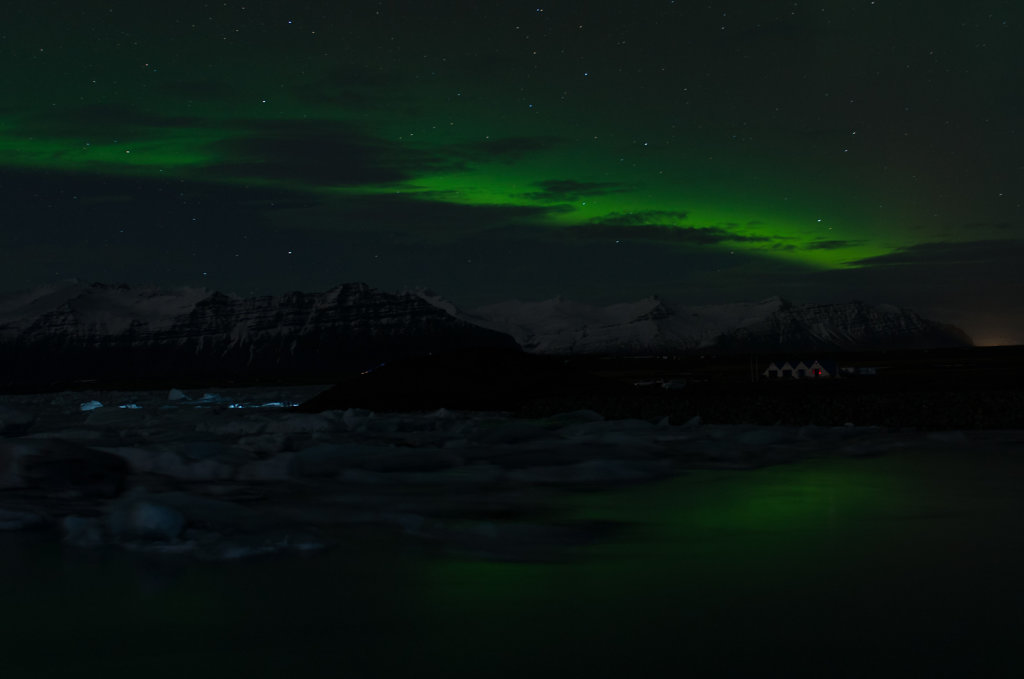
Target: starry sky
[(706, 152)]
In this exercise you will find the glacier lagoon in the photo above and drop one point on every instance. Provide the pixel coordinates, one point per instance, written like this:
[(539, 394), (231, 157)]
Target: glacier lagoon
[(884, 553)]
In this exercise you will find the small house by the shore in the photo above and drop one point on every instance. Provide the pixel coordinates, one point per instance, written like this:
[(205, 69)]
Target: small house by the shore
[(814, 369)]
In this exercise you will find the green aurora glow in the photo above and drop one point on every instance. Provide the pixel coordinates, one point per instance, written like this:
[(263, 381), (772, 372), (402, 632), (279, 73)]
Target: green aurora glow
[(744, 200), (824, 139)]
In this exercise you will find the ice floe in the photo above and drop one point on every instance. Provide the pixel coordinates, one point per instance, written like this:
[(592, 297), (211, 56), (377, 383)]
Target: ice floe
[(180, 475)]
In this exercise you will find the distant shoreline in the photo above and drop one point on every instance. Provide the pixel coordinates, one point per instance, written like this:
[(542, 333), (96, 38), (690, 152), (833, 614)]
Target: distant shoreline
[(967, 388)]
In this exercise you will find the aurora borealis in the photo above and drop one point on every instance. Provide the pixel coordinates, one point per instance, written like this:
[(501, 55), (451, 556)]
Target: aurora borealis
[(708, 152)]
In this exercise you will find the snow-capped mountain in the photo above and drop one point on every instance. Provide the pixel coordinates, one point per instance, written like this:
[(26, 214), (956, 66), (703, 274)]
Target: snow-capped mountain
[(654, 326), (648, 326), (75, 331), (850, 326)]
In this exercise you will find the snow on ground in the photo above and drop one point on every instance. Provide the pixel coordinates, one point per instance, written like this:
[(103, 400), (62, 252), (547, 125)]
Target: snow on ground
[(230, 473)]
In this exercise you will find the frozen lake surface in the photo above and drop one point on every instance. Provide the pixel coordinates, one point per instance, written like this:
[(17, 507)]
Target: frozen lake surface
[(476, 544)]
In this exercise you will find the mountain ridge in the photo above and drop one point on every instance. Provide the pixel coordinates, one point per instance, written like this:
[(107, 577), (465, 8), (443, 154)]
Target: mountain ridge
[(120, 333), (75, 331), (653, 325)]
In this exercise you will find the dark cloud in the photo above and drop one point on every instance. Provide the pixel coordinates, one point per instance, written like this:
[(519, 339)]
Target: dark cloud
[(320, 154), (502, 149), (325, 153), (641, 217), (77, 202), (570, 190), (144, 229), (414, 212), (942, 252), (991, 225), (418, 217), (316, 153), (102, 122), (660, 226), (135, 229), (832, 244), (683, 235), (307, 160)]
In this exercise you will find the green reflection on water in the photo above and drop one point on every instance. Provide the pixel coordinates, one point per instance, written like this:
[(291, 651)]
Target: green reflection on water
[(830, 566), (834, 567), (707, 520)]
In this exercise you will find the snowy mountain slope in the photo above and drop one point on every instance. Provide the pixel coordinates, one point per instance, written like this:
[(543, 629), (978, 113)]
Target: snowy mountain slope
[(95, 309), (854, 325), (77, 331), (74, 331), (647, 326), (654, 326)]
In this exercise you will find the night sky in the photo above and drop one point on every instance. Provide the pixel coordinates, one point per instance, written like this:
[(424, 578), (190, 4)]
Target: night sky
[(706, 152)]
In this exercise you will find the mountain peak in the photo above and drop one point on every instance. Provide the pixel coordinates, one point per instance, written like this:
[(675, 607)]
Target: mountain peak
[(653, 326), (113, 332), (436, 300)]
